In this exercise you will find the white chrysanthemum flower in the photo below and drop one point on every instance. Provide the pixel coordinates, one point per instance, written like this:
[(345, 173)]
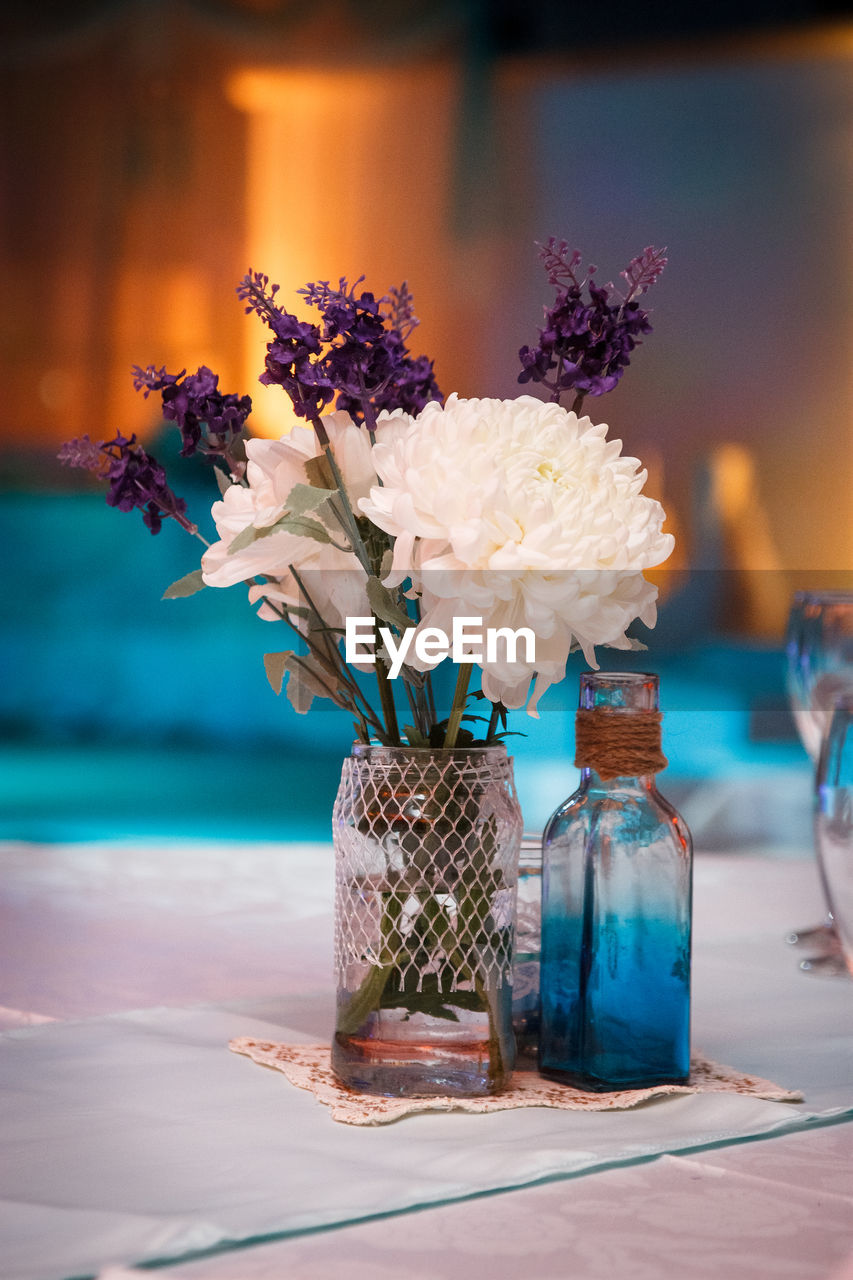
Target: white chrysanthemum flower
[(519, 512), (334, 577)]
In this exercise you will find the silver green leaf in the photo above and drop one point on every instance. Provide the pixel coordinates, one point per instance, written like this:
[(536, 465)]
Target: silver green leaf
[(186, 586), (305, 497), (224, 481), (384, 605), (307, 678), (634, 645), (301, 526), (275, 665), (319, 473), (306, 681), (245, 538)]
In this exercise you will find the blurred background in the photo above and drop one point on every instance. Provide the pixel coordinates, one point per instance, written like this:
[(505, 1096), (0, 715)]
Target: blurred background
[(153, 152)]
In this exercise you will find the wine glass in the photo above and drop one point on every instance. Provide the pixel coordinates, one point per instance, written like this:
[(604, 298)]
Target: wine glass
[(819, 648), (834, 821)]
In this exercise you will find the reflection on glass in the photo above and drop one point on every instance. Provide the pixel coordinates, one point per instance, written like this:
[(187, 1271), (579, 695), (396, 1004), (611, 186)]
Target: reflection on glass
[(819, 648), (834, 821), (820, 660)]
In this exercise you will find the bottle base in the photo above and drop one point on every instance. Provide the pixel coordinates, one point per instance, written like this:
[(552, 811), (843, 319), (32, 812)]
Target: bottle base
[(595, 1084), (406, 1069)]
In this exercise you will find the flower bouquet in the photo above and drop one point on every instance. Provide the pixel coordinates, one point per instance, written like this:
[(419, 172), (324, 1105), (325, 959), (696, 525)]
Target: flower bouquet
[(394, 529)]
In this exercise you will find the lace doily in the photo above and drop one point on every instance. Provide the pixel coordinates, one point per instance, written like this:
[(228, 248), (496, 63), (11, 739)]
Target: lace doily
[(308, 1067)]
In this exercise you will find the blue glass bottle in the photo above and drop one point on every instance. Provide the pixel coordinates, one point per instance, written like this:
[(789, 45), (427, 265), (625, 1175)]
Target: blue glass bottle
[(616, 904)]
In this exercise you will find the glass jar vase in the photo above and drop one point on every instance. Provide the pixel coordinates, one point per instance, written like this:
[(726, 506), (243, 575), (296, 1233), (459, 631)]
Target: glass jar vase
[(616, 904), (426, 866), (525, 969)]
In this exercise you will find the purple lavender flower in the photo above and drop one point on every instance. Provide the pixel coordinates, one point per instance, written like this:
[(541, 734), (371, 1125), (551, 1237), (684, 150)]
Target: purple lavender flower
[(292, 356), (194, 402), (358, 355), (82, 452), (136, 480), (586, 343), (400, 312)]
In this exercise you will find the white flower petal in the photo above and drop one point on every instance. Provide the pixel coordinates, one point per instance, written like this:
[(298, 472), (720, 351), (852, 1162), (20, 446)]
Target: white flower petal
[(522, 513)]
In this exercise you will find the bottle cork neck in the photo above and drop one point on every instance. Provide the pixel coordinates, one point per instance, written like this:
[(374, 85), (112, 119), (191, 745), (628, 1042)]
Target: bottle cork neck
[(619, 744)]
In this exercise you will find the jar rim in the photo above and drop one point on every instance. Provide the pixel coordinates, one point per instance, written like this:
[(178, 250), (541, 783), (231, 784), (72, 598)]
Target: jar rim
[(379, 750), (619, 692)]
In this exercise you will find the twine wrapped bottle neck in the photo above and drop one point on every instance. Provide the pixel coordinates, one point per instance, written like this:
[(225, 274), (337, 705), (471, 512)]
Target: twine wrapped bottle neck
[(618, 744)]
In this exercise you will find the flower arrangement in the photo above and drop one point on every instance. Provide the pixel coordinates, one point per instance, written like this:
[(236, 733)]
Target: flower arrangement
[(397, 506), (392, 518)]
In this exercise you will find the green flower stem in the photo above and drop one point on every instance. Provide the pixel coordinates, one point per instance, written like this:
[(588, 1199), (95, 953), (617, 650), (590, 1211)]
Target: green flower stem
[(386, 697), (414, 706), (416, 692), (493, 721), (500, 1052), (388, 733), (369, 994), (500, 1048), (365, 1000), (366, 714), (426, 692), (458, 707), (352, 526)]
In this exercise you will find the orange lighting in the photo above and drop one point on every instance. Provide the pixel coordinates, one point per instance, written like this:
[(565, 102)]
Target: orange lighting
[(332, 189), (308, 143)]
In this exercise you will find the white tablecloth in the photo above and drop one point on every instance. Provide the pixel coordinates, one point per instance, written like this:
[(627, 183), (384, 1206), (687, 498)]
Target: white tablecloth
[(246, 931)]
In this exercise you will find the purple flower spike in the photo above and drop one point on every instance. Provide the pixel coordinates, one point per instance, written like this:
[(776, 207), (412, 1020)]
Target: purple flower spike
[(151, 379), (84, 453), (586, 342), (357, 356), (136, 480), (643, 271), (208, 420), (400, 310)]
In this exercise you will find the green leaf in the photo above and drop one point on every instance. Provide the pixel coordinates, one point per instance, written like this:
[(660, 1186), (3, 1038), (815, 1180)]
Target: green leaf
[(319, 474), (306, 678), (237, 448), (416, 738), (186, 586), (244, 539), (307, 497), (275, 665), (224, 481), (302, 526), (363, 1001), (306, 681), (435, 1004), (415, 1002), (386, 608)]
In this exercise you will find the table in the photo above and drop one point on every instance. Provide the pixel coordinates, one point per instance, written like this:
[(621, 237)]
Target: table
[(243, 931)]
